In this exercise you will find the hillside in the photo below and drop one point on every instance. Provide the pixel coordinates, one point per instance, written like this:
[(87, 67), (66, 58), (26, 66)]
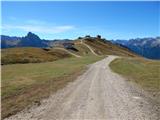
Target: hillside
[(151, 46), (31, 55), (61, 49), (84, 46), (104, 47)]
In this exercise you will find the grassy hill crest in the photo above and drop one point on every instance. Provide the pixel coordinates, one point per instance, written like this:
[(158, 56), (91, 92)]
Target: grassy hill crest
[(79, 47)]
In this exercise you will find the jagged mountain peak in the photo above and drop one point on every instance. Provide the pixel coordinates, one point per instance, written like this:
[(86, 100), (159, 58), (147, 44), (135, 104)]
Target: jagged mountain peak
[(32, 36)]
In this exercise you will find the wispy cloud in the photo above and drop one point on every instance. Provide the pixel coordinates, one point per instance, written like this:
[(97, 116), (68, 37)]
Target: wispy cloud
[(35, 25), (36, 22), (39, 28)]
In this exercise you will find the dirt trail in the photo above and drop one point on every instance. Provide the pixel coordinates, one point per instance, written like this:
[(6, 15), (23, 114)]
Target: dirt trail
[(99, 94), (68, 52), (89, 48)]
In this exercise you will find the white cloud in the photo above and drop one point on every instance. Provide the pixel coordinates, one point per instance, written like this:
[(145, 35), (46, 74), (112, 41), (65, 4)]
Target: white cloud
[(39, 28), (36, 22), (34, 25)]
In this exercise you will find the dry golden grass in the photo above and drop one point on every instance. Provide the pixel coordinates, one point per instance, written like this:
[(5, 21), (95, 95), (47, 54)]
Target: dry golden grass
[(103, 48), (144, 72), (25, 84), (31, 55)]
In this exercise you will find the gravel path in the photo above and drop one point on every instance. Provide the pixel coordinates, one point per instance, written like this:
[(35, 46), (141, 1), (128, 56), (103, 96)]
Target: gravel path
[(98, 94), (89, 48), (68, 51)]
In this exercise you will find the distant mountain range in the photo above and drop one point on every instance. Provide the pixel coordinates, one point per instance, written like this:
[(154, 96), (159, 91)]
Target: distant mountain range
[(147, 47), (30, 40), (82, 46)]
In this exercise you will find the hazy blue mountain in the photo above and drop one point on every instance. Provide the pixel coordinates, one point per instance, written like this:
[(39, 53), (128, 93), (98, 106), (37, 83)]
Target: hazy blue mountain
[(7, 41), (147, 47), (10, 38), (30, 40)]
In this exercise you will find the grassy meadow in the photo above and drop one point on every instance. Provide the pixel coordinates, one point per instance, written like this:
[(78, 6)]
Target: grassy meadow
[(35, 81), (144, 72)]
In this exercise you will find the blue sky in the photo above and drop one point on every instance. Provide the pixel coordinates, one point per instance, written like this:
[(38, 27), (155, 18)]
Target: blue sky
[(52, 20)]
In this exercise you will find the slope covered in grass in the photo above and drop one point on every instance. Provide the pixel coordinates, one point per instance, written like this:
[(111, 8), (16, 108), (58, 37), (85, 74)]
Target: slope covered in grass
[(24, 84), (145, 73), (103, 47), (82, 50), (78, 48), (31, 55)]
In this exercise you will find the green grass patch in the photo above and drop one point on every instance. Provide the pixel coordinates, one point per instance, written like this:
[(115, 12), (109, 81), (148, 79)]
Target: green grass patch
[(23, 84), (144, 72)]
